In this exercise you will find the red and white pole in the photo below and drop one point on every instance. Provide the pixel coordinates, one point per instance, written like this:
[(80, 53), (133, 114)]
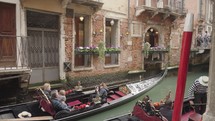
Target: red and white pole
[(183, 67)]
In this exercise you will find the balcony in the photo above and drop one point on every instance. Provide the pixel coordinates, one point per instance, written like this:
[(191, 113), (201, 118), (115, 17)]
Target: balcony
[(95, 4), (155, 55), (160, 10)]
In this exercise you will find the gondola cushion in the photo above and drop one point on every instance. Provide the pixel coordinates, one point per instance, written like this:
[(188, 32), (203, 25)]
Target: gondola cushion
[(47, 106)]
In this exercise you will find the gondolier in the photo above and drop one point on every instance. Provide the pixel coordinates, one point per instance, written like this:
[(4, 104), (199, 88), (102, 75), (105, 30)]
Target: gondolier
[(198, 90)]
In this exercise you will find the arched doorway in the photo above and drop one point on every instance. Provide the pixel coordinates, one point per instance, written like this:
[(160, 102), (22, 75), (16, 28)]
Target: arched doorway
[(151, 36)]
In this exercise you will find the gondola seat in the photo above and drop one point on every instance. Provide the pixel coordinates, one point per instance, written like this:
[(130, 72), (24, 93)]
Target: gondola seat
[(109, 99), (114, 96), (120, 93), (195, 117), (141, 114), (74, 103), (47, 107)]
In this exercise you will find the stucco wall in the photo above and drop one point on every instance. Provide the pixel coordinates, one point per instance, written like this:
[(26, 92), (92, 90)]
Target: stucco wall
[(118, 6), (46, 5)]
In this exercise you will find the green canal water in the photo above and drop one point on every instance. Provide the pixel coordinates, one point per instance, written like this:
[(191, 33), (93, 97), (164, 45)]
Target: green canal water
[(156, 94)]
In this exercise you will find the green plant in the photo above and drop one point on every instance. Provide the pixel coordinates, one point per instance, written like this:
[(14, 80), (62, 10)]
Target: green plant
[(113, 49), (147, 46), (101, 50)]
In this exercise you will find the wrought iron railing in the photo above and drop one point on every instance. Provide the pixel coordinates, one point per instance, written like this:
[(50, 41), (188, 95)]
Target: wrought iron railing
[(13, 52)]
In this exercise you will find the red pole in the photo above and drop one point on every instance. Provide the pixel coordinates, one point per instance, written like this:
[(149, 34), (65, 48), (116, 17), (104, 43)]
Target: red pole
[(183, 67)]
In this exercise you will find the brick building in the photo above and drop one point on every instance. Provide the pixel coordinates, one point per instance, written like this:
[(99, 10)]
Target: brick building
[(67, 38)]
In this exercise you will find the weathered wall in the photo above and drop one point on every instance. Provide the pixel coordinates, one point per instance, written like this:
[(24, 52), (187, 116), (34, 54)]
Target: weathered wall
[(46, 5)]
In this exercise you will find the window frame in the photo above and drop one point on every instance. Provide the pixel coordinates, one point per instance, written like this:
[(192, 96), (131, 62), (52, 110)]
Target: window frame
[(117, 41), (140, 29), (87, 42)]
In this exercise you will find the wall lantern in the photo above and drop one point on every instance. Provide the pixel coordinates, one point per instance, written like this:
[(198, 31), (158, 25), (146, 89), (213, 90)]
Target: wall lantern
[(112, 22), (81, 18), (151, 30)]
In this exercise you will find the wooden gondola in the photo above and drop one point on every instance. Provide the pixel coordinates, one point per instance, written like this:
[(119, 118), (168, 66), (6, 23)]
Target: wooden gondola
[(138, 114), (42, 108)]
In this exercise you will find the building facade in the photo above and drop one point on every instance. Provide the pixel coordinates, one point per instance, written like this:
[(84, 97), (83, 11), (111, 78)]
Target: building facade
[(74, 38)]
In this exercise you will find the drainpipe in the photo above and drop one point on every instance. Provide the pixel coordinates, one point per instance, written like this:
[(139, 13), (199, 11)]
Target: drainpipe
[(129, 21)]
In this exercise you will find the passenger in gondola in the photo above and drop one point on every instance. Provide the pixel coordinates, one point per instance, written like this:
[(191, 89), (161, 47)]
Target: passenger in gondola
[(105, 86), (103, 93), (62, 96), (166, 110), (47, 89), (78, 87), (94, 94), (148, 106), (58, 106), (96, 100), (198, 90)]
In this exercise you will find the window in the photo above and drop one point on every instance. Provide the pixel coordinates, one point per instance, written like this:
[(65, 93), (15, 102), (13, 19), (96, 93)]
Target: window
[(82, 27), (111, 40), (136, 29)]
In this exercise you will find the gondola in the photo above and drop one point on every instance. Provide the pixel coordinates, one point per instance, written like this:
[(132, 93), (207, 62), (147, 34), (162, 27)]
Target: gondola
[(138, 114), (42, 109)]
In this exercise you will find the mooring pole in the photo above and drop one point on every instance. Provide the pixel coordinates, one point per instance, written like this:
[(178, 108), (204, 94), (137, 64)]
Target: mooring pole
[(183, 67)]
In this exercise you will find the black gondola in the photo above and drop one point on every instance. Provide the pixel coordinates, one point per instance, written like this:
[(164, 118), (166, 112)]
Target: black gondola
[(42, 108)]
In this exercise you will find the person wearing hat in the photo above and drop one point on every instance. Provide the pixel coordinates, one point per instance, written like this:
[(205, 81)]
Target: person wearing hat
[(198, 90)]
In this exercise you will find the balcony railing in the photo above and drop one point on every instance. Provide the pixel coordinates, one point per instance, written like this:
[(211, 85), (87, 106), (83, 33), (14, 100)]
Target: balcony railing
[(93, 3), (13, 52), (176, 7)]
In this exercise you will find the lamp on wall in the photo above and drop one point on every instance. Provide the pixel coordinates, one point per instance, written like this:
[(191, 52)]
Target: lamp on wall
[(112, 22), (151, 30), (81, 18)]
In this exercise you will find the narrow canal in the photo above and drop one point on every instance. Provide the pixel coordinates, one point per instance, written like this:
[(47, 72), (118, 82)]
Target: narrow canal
[(156, 94)]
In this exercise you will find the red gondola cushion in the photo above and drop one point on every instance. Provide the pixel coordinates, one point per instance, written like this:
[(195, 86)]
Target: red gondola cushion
[(109, 99), (195, 117), (120, 93), (73, 103), (114, 96), (47, 106)]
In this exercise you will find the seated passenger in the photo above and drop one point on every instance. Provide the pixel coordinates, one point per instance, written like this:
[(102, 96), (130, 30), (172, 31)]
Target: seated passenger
[(148, 106), (62, 96), (103, 94), (47, 89), (96, 100), (105, 86), (78, 88), (56, 103), (166, 110)]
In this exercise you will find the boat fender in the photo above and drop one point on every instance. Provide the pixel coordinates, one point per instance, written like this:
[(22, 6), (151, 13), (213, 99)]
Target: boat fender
[(24, 114)]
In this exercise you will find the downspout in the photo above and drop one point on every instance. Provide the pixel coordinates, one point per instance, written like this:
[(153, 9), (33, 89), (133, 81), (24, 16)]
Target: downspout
[(129, 22)]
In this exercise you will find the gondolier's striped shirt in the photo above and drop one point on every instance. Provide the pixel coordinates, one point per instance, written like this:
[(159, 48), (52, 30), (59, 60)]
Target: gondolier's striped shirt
[(197, 88)]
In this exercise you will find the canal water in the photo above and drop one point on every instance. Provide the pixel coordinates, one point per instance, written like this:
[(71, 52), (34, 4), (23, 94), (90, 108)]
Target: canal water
[(156, 94)]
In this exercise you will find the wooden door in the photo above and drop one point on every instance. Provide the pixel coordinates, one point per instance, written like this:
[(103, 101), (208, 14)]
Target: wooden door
[(7, 34)]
